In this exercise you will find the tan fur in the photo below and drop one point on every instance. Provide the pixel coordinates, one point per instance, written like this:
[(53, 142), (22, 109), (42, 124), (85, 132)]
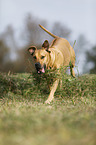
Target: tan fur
[(61, 54)]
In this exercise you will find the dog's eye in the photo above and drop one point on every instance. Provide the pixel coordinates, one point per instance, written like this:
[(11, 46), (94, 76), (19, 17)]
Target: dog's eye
[(42, 57), (34, 57)]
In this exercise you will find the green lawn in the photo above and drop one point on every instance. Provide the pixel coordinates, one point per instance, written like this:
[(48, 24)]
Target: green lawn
[(25, 120)]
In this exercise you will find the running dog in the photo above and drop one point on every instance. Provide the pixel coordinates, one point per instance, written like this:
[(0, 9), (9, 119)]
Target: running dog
[(58, 54)]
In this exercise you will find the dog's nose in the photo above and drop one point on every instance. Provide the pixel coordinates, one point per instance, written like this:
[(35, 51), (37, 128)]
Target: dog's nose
[(38, 65)]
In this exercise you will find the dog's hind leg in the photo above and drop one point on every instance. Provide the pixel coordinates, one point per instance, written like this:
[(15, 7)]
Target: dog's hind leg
[(72, 71), (53, 89)]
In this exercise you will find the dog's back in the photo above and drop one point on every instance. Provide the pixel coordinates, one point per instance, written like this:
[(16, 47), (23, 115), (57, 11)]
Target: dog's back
[(63, 46)]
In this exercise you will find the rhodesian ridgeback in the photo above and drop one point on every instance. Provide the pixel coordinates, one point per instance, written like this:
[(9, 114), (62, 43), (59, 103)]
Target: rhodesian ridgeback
[(58, 54)]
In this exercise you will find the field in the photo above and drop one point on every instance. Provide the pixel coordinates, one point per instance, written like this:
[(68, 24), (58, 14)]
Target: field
[(25, 120)]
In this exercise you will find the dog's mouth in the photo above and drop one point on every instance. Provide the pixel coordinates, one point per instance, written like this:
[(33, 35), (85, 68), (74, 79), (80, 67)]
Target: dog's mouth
[(41, 71), (39, 68)]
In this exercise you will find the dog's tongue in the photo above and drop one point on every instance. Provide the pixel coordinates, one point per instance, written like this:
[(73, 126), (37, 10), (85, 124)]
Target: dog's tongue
[(41, 70)]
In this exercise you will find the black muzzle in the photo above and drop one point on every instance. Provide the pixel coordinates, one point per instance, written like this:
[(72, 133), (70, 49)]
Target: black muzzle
[(39, 68)]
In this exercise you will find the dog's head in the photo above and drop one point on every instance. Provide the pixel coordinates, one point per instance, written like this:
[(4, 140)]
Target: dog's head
[(41, 56)]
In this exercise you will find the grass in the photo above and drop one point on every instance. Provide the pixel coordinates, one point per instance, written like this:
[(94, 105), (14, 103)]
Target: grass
[(25, 120)]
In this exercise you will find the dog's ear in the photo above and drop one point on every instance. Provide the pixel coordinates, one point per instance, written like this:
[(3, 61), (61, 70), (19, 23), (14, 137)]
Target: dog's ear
[(46, 45), (32, 49)]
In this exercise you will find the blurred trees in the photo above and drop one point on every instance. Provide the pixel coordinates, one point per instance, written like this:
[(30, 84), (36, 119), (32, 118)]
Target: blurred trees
[(9, 39), (61, 30), (9, 47), (32, 34), (4, 51), (82, 45), (91, 60), (6, 63)]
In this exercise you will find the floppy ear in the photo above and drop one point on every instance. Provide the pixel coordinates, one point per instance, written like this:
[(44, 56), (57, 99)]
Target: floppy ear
[(32, 49), (46, 45)]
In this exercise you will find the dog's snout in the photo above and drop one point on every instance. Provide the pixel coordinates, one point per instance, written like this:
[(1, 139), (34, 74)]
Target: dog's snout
[(40, 69), (38, 65)]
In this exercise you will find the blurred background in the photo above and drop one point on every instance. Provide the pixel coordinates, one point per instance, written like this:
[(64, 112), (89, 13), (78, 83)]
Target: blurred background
[(71, 19)]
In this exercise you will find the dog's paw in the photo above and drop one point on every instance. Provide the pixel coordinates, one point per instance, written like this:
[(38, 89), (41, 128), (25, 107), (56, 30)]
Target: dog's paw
[(47, 102)]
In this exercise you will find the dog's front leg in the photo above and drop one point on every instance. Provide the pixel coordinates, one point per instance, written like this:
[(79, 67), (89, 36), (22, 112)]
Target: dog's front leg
[(53, 89)]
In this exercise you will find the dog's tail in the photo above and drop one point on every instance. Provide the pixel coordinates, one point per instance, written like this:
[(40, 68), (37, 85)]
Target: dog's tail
[(48, 32)]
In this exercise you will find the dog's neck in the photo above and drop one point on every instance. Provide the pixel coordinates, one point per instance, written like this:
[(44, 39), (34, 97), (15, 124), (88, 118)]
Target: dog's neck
[(52, 58)]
